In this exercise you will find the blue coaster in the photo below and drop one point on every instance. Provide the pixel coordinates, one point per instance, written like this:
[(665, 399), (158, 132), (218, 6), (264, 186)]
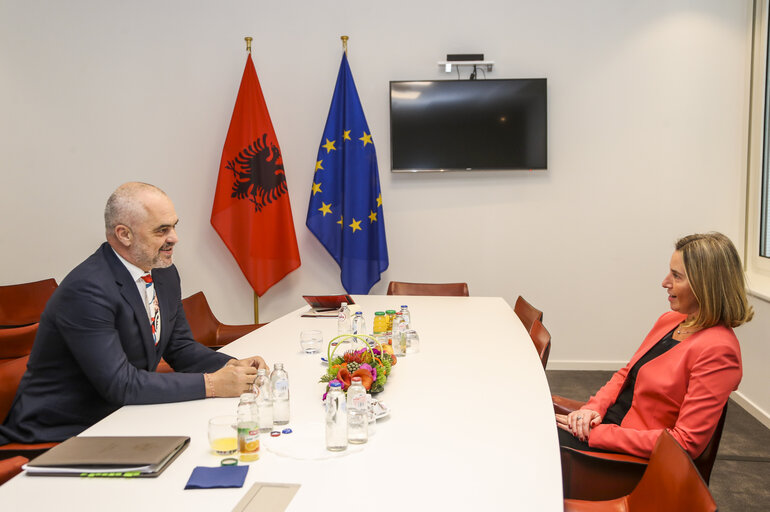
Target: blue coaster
[(217, 478)]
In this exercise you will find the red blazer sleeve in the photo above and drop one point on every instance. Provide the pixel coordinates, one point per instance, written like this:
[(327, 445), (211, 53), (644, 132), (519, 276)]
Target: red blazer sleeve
[(683, 391)]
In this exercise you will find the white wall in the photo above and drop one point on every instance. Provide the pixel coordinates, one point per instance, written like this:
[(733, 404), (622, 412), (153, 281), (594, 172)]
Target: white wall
[(648, 108)]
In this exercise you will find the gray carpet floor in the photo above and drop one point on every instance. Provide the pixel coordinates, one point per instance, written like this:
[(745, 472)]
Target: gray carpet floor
[(740, 480)]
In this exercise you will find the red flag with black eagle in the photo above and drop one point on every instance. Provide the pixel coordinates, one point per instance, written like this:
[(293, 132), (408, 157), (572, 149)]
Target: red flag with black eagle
[(251, 211)]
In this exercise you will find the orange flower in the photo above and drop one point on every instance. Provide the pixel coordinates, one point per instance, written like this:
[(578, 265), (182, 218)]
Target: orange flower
[(366, 377), (344, 376)]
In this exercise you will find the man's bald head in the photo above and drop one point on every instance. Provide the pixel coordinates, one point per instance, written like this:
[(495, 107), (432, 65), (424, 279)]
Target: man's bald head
[(127, 205), (140, 222)]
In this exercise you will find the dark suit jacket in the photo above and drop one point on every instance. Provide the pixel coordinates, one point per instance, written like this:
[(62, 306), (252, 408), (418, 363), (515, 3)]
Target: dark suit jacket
[(94, 353)]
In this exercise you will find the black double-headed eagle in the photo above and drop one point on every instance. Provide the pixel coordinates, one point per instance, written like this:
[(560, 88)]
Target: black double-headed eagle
[(257, 174)]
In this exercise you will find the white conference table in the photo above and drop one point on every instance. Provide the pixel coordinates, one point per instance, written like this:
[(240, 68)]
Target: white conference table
[(471, 427)]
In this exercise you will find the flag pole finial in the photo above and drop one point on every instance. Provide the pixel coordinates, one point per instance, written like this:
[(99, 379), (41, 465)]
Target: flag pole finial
[(345, 43), (248, 43)]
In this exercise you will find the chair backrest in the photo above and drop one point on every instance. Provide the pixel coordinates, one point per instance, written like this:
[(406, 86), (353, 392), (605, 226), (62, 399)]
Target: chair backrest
[(202, 321), (22, 304), (436, 289), (527, 313), (705, 461), (17, 341), (671, 482), (10, 377), (542, 340)]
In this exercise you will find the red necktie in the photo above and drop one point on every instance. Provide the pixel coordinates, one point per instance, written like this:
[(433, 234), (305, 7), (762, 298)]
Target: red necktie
[(152, 306)]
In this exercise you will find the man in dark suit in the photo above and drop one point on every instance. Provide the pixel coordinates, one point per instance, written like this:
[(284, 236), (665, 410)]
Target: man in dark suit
[(106, 327)]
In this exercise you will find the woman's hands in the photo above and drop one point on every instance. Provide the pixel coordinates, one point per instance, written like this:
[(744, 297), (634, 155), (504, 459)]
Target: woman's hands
[(579, 423)]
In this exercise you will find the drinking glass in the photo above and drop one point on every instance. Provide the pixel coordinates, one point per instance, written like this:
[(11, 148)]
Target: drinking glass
[(223, 435), (310, 341), (412, 342)]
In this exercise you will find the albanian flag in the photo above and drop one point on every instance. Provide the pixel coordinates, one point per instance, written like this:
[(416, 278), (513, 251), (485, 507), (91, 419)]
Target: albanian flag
[(251, 211)]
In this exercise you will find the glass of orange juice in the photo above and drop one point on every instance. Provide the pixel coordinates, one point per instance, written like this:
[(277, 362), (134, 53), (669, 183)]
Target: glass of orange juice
[(223, 435)]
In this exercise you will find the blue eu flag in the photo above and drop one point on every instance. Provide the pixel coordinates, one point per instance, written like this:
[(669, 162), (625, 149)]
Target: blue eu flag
[(345, 211)]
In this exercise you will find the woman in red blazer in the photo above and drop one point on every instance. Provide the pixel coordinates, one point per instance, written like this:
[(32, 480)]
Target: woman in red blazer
[(683, 373)]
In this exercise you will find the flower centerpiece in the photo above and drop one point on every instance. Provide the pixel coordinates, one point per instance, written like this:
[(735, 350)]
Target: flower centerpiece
[(372, 363)]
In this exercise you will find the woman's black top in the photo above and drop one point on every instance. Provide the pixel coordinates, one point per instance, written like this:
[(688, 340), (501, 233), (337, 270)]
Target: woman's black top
[(622, 405)]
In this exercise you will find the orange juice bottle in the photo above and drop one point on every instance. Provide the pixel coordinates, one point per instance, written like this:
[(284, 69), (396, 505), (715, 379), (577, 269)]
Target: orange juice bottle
[(380, 325), (248, 428)]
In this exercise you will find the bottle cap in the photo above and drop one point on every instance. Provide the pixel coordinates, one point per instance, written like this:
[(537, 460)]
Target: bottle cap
[(359, 313), (356, 379), (378, 313), (391, 311), (275, 433), (343, 304), (335, 384)]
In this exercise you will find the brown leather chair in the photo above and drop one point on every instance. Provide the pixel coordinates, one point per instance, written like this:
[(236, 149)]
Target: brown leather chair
[(542, 340), (16, 342), (527, 313), (22, 304), (205, 327), (435, 289), (603, 476), (671, 483), (9, 468), (10, 376)]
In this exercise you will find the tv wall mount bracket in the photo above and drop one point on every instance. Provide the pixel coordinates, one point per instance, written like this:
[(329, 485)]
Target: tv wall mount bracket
[(465, 59)]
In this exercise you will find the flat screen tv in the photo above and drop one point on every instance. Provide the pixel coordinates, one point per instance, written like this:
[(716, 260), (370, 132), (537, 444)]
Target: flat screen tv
[(448, 125)]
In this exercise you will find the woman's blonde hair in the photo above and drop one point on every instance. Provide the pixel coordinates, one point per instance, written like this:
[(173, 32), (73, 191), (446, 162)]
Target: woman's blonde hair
[(717, 280)]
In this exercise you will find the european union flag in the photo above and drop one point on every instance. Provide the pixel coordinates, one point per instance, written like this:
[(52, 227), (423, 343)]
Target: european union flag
[(345, 211)]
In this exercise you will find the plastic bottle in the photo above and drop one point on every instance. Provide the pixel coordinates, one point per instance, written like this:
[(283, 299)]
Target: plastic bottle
[(264, 400), (343, 320), (399, 335), (279, 386), (407, 316), (391, 315), (359, 324), (248, 428), (336, 419), (380, 324), (358, 412)]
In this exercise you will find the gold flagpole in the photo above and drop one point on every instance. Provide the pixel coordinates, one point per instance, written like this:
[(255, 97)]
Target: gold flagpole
[(256, 297), (345, 43)]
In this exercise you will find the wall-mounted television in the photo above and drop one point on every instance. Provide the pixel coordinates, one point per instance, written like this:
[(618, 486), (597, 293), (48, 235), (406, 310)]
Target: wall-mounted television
[(446, 125)]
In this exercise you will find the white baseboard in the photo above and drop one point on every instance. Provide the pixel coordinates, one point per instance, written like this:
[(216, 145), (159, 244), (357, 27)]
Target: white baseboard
[(611, 366), (760, 414)]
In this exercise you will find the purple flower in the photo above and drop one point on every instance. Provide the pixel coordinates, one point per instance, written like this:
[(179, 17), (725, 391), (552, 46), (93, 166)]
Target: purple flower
[(371, 370)]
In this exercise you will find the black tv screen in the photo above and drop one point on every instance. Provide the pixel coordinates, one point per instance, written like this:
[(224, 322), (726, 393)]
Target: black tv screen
[(468, 125)]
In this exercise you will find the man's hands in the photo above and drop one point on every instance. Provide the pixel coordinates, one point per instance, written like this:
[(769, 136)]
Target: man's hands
[(234, 378), (255, 361)]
